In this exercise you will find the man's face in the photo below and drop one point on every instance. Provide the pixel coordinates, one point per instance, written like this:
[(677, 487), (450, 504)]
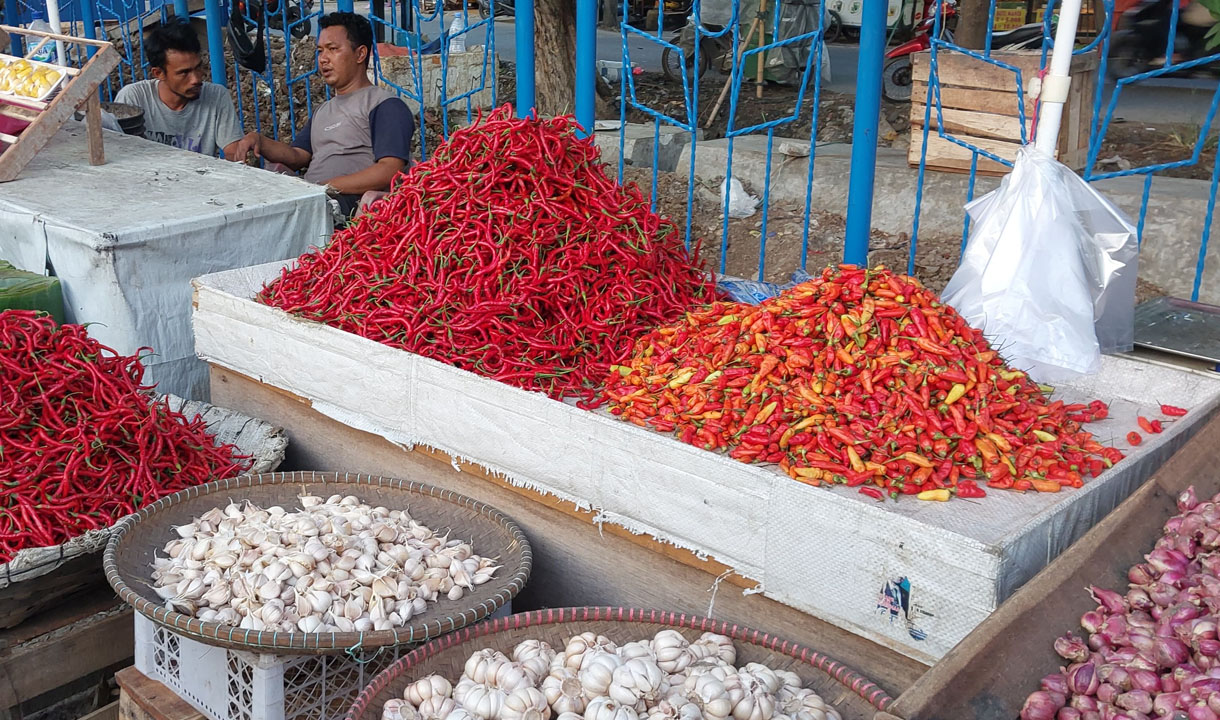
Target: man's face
[(339, 61), (183, 74)]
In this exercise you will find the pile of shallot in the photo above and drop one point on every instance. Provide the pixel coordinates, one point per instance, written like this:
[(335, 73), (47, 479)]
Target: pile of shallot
[(592, 678), (336, 565), (1153, 652)]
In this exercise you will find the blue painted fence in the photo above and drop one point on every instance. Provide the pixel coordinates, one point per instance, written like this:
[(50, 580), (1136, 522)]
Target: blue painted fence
[(412, 24)]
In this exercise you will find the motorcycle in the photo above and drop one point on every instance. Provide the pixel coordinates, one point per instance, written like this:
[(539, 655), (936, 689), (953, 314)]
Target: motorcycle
[(503, 8), (1139, 45), (718, 50), (248, 19), (896, 75)]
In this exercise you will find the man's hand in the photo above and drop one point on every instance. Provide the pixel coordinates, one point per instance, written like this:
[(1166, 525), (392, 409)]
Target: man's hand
[(240, 149)]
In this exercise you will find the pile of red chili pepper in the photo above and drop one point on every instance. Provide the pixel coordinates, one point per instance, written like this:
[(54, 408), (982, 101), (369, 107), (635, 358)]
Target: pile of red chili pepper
[(860, 377), (82, 442), (510, 253)]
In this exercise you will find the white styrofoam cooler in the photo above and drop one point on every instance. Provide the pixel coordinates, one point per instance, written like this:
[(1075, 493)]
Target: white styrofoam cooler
[(911, 575), (228, 684)]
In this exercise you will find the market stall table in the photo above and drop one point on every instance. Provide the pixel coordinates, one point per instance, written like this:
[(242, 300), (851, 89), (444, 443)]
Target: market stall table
[(125, 238)]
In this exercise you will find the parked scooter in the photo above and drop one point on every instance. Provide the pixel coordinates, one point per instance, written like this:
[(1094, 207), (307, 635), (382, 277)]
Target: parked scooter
[(1139, 45), (896, 79), (713, 51)]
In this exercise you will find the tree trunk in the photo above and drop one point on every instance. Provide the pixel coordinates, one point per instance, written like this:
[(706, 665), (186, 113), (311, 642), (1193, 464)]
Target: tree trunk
[(555, 59), (972, 24)]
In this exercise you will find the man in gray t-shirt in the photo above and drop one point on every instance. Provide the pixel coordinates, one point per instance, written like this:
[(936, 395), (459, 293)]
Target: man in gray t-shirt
[(180, 109)]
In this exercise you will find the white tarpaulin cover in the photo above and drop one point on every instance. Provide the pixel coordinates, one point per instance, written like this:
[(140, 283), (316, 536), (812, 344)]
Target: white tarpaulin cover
[(915, 576), (125, 238)]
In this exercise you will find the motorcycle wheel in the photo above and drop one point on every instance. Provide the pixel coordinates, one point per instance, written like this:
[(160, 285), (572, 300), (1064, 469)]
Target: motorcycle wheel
[(485, 9), (834, 27), (1129, 55), (671, 65), (896, 80)]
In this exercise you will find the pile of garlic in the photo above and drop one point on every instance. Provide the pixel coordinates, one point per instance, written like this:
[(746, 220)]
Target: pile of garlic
[(337, 565), (592, 678)]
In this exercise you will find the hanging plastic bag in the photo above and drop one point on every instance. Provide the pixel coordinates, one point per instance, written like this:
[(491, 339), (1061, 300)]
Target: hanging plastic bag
[(1049, 271)]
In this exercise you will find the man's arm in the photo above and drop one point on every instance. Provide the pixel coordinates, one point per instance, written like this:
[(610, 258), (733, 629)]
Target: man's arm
[(228, 127), (391, 126), (291, 156), (375, 177)]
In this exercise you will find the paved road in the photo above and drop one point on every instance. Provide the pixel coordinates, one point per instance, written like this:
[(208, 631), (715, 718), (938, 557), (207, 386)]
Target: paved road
[(1170, 100)]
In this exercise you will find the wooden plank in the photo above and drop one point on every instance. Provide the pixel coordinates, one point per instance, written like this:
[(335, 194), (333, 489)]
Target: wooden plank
[(575, 562), (1019, 635), (18, 113), (76, 92), (92, 644), (106, 712), (93, 123), (968, 124), (957, 70), (142, 698), (998, 102), (72, 609), (54, 36), (946, 155)]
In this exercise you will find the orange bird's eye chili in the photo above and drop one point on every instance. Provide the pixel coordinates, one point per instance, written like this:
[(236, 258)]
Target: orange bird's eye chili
[(82, 442), (866, 377)]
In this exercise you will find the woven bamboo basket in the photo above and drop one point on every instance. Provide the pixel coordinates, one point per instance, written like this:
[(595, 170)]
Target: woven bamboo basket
[(128, 557), (854, 696), (38, 578)]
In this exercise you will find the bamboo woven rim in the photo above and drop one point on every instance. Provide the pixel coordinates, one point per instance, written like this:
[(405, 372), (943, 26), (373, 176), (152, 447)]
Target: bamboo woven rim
[(851, 680), (515, 554)]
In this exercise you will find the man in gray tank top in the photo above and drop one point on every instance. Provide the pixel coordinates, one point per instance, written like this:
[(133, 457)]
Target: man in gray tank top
[(357, 141)]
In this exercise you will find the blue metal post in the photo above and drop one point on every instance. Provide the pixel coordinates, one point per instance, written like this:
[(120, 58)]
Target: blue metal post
[(523, 11), (864, 132), (586, 63), (346, 6), (89, 20), (216, 48), (182, 8), (11, 17)]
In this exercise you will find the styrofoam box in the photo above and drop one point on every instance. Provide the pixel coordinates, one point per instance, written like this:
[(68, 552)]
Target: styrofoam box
[(913, 576), (236, 685)]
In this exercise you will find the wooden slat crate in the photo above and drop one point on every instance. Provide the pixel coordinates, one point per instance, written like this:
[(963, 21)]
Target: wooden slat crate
[(979, 105)]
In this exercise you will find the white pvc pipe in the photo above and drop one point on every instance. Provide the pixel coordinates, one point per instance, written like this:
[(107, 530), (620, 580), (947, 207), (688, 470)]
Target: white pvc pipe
[(61, 57), (1055, 84)]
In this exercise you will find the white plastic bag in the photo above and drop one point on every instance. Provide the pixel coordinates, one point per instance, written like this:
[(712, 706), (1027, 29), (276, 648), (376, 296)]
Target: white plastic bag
[(1049, 271), (741, 203)]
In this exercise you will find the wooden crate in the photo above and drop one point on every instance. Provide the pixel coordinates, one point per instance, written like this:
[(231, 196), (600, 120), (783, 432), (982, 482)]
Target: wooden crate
[(979, 106), (142, 698), (966, 685)]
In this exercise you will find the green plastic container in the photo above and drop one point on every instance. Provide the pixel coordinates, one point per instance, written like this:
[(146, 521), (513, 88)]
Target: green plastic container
[(21, 290)]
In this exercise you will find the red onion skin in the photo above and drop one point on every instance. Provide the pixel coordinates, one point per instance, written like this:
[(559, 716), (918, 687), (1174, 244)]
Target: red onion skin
[(1137, 700), (1203, 628), (1055, 682), (1165, 704), (1106, 693), (1090, 715), (1145, 680), (1169, 683), (1208, 648), (1082, 678), (1083, 703), (1141, 574), (1092, 620), (1213, 703), (1068, 713), (1171, 652), (1119, 677), (1071, 648), (1202, 687), (1137, 598), (1201, 712), (1040, 705), (1108, 599), (1187, 500)]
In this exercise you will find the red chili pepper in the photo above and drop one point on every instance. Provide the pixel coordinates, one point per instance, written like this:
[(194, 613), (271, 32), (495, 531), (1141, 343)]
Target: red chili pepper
[(1133, 438), (1144, 424), (1173, 411), (872, 492), (82, 442)]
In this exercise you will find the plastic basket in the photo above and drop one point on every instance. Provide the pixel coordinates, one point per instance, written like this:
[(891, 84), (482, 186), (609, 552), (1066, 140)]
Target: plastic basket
[(226, 684)]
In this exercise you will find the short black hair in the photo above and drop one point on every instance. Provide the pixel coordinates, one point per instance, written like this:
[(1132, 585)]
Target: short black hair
[(359, 29), (173, 34)]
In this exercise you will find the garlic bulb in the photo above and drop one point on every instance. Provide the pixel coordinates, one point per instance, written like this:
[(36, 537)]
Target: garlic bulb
[(635, 680), (672, 651), (579, 645), (570, 716), (392, 710), (637, 649), (789, 681), (603, 708), (754, 705), (437, 707), (709, 694), (759, 675), (459, 713), (526, 703), (564, 692), (485, 703), (335, 565), (482, 666), (535, 658), (713, 645), (426, 688), (510, 677), (597, 672)]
